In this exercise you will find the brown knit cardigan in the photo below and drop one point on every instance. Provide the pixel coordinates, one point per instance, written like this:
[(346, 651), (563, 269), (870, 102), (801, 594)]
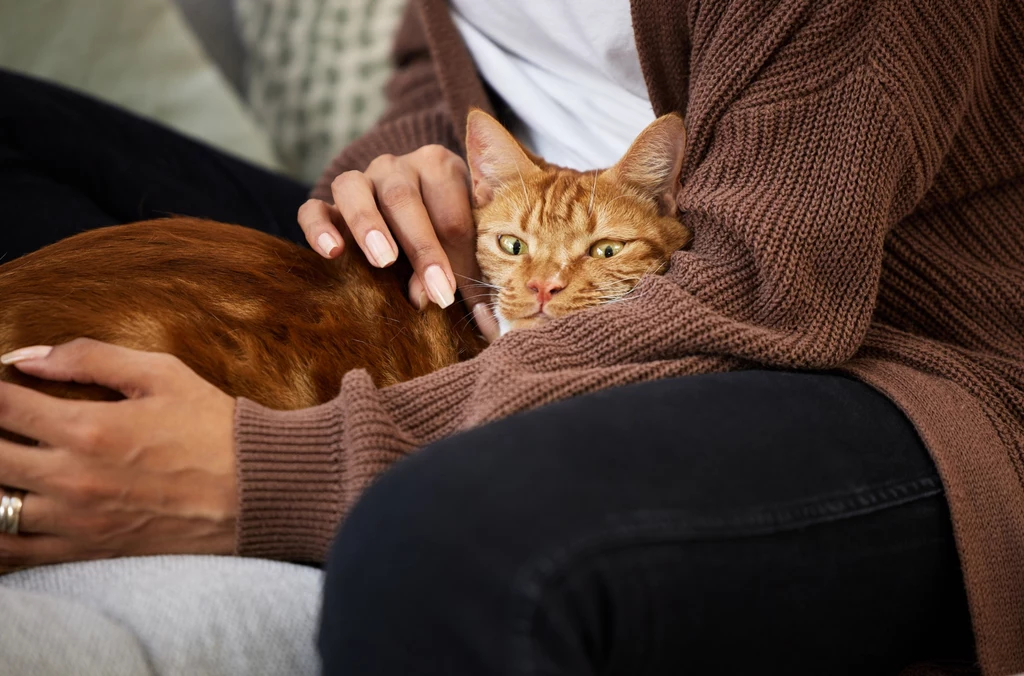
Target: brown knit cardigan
[(855, 180)]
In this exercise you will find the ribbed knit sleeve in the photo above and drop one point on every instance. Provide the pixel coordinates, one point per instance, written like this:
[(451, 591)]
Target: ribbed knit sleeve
[(417, 113)]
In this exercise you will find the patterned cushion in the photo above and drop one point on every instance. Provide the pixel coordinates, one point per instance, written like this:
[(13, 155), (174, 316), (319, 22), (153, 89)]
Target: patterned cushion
[(316, 72)]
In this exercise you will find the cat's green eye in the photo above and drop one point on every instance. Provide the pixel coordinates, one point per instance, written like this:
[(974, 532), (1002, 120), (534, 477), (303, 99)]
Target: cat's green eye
[(512, 245), (606, 248)]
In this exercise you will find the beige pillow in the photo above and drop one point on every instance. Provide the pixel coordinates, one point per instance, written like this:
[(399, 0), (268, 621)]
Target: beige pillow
[(317, 70), (138, 54)]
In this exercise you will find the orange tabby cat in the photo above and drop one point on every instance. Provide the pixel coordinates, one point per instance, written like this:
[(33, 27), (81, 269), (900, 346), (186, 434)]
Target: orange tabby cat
[(266, 319)]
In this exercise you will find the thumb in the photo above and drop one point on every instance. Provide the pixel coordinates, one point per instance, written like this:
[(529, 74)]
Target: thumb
[(90, 362)]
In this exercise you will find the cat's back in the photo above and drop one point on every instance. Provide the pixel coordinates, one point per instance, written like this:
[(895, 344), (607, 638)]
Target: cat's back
[(123, 283), (254, 314)]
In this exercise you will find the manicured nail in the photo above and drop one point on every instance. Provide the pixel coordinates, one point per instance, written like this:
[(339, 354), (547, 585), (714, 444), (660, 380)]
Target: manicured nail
[(26, 353), (438, 287), (379, 248), (422, 300), (327, 243)]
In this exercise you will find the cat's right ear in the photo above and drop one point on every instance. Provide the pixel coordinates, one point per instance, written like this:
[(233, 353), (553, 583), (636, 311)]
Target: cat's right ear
[(654, 161), (494, 156)]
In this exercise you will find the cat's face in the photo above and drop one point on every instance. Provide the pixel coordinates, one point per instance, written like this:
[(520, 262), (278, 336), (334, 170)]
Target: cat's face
[(552, 240)]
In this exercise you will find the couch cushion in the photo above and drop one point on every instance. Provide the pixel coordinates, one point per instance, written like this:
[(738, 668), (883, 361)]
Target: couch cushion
[(317, 70)]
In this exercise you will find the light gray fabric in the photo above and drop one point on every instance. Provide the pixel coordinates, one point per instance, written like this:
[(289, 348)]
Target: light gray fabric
[(47, 635), (166, 616)]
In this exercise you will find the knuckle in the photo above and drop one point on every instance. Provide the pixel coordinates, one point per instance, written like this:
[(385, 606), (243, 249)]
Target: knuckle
[(308, 208), (90, 437), (398, 195), (435, 153), (91, 490), (76, 347), (167, 361), (452, 226), (423, 252), (346, 181), (364, 219), (166, 366), (385, 163)]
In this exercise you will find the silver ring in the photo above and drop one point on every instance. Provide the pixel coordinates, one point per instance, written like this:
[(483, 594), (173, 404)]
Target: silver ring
[(11, 502)]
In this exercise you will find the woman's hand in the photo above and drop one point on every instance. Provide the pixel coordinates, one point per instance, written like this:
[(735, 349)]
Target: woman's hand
[(152, 474), (422, 200)]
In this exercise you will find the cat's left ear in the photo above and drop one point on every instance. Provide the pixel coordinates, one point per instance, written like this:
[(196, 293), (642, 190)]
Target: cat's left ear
[(495, 157), (654, 161)]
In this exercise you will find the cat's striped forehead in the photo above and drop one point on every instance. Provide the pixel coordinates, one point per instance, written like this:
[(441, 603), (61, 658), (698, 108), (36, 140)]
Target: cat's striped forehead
[(561, 198)]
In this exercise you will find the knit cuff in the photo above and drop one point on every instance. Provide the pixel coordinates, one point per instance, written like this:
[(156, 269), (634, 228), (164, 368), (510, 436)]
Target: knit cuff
[(289, 480)]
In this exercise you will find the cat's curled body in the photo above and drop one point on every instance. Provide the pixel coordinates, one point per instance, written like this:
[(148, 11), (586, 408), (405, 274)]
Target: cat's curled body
[(255, 315), (266, 319)]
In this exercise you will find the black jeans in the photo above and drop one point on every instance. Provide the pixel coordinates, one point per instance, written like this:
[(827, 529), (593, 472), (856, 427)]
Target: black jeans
[(69, 163), (743, 523), (746, 523)]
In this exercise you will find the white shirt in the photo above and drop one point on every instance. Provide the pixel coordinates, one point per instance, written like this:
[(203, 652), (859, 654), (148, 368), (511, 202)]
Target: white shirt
[(568, 69)]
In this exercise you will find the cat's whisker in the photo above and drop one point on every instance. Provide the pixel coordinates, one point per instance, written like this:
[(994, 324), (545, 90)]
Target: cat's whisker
[(474, 297), (464, 321), (477, 281)]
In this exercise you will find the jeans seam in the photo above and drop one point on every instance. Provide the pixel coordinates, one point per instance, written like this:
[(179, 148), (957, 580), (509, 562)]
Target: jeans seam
[(654, 527)]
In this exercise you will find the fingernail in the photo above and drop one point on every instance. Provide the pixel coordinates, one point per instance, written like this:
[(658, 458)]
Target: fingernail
[(379, 248), (26, 353), (327, 243), (422, 300), (438, 286)]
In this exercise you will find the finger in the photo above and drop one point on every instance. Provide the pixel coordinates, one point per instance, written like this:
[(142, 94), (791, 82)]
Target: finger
[(39, 516), (486, 322), (403, 209), (25, 467), (134, 373), (446, 198), (418, 294), (354, 195), (317, 220), (43, 514), (21, 551), (49, 420)]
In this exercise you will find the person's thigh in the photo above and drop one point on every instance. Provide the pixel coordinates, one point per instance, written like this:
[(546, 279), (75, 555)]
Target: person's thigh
[(69, 163), (755, 522)]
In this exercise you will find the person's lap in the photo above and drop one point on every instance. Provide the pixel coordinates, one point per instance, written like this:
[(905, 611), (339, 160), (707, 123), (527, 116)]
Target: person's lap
[(709, 523), (755, 522)]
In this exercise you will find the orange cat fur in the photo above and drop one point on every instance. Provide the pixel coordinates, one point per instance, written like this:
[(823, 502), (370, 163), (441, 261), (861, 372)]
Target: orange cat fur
[(266, 319)]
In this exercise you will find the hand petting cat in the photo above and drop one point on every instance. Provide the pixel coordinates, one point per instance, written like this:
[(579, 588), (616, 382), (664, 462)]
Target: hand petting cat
[(422, 200), (151, 474)]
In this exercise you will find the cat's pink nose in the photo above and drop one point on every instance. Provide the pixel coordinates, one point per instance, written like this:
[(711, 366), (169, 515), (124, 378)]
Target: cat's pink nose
[(544, 290)]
